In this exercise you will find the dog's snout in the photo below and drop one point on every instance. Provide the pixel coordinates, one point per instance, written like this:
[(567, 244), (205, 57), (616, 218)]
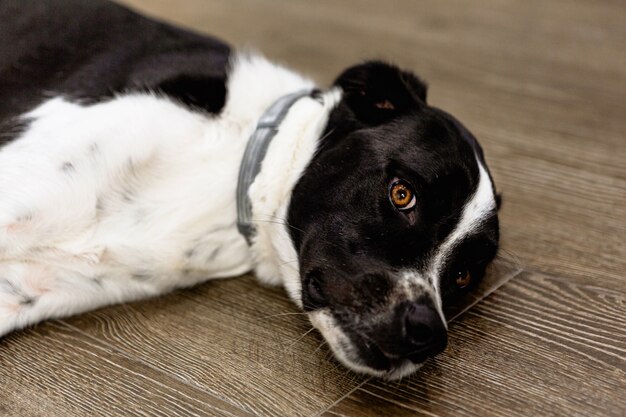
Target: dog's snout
[(425, 333)]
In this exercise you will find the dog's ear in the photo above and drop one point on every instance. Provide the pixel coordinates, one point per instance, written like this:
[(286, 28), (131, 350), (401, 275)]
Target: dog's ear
[(376, 91)]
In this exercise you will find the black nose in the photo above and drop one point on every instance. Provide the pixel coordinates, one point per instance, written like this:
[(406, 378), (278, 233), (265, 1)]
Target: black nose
[(425, 332)]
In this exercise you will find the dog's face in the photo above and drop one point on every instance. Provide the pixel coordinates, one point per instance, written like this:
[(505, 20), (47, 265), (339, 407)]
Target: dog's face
[(395, 216)]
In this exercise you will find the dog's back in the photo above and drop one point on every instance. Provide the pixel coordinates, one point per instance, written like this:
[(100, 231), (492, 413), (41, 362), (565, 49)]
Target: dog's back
[(91, 50)]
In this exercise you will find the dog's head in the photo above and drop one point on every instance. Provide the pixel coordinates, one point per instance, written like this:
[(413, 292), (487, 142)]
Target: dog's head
[(395, 216)]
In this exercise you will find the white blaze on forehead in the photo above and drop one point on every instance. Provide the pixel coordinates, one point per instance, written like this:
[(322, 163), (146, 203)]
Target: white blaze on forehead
[(475, 212), (412, 283)]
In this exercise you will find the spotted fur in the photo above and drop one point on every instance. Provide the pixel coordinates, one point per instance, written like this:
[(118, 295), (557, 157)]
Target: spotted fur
[(120, 147)]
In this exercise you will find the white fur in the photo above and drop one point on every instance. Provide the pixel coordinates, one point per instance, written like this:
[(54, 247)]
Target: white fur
[(134, 196), (287, 157), (474, 213)]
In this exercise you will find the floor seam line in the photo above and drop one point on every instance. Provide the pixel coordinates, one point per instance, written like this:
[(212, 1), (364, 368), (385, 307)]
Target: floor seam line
[(343, 397), (514, 274)]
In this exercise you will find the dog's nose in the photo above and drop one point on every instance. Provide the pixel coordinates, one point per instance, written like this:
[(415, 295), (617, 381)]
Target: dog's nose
[(425, 332)]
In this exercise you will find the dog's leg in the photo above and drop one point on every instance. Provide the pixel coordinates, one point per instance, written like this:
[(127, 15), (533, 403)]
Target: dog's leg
[(31, 292)]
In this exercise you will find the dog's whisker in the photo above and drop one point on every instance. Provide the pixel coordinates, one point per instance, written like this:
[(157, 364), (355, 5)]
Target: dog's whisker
[(278, 221), (320, 346), (300, 338), (284, 314), (284, 223)]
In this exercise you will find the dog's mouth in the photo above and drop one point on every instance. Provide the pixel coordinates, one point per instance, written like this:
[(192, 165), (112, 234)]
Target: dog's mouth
[(379, 358), (362, 354)]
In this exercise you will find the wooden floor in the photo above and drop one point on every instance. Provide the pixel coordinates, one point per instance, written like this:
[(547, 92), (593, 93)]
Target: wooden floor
[(543, 85)]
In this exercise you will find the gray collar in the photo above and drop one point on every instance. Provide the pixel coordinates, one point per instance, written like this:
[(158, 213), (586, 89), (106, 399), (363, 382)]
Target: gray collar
[(259, 141)]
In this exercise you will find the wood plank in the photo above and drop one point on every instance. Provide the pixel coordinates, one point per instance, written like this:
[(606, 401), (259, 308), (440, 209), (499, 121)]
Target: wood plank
[(540, 345), (240, 341), (54, 371), (232, 338)]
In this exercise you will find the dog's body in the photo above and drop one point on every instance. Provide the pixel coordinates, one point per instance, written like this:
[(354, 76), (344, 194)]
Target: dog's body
[(121, 149)]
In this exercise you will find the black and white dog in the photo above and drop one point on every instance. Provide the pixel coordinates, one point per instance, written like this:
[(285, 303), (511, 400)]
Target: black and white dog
[(121, 146)]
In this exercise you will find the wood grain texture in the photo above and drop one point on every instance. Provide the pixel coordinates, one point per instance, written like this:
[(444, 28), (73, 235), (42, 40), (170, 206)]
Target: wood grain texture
[(540, 345), (228, 347), (54, 371), (232, 338), (239, 341), (542, 84)]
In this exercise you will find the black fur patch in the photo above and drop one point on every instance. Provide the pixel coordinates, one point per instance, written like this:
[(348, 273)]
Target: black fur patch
[(28, 301), (196, 91), (351, 240), (90, 51), (12, 128), (68, 168)]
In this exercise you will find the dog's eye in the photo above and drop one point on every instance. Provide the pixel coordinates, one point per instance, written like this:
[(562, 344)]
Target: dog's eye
[(401, 195), (463, 278)]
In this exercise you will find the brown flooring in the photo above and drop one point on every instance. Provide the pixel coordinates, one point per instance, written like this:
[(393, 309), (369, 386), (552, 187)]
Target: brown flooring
[(543, 85)]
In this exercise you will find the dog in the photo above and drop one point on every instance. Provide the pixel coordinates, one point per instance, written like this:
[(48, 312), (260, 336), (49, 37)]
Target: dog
[(137, 157)]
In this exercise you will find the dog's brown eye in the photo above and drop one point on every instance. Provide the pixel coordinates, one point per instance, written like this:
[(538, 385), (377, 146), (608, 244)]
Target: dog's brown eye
[(463, 278), (402, 195)]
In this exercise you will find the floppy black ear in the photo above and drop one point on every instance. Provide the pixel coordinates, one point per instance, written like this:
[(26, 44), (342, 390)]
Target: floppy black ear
[(377, 91)]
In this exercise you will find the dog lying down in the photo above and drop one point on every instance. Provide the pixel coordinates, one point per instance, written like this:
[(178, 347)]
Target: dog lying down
[(137, 158)]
